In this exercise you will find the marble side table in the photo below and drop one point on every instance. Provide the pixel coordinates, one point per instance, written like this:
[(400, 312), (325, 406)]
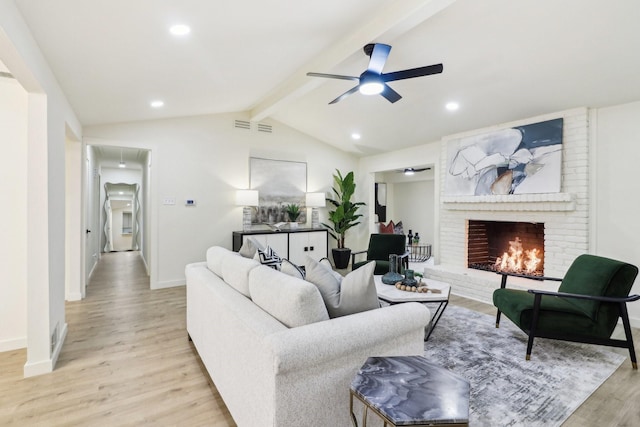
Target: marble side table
[(410, 391)]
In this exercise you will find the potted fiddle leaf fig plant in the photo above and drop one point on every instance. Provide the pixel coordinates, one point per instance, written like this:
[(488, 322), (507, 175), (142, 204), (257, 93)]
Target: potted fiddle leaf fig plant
[(343, 216), (293, 212)]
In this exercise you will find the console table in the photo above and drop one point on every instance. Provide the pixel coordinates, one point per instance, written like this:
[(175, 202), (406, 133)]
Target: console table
[(291, 244)]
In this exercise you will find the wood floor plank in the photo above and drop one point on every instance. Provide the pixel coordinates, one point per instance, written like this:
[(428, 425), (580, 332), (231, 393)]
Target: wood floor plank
[(127, 362)]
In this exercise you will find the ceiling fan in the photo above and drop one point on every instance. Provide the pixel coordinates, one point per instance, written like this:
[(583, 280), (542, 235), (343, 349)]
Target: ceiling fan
[(411, 171), (373, 81)]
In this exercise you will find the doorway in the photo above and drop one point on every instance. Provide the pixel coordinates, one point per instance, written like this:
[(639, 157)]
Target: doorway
[(122, 217)]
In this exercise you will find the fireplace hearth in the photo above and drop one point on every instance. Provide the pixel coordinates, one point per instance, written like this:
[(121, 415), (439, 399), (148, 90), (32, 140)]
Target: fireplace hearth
[(504, 246)]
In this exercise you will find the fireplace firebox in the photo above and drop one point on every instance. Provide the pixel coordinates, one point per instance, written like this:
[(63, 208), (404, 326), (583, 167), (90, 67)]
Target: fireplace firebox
[(514, 247)]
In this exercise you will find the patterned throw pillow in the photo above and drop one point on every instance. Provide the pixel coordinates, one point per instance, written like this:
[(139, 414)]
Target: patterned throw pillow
[(398, 229), (269, 257)]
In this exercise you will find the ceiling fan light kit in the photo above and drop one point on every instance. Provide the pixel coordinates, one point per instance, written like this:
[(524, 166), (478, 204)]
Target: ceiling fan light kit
[(373, 81)]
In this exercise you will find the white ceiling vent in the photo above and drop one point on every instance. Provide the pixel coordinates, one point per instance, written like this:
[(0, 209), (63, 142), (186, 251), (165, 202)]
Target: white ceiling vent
[(242, 124), (264, 128)]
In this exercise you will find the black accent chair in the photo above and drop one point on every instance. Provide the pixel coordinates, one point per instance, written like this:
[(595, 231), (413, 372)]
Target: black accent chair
[(380, 247), (592, 296)]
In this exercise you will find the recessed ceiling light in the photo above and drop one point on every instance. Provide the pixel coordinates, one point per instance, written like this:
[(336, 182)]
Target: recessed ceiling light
[(452, 106), (356, 135), (157, 104), (180, 30)]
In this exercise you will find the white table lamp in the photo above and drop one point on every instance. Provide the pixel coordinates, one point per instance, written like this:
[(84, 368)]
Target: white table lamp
[(248, 199), (315, 201)]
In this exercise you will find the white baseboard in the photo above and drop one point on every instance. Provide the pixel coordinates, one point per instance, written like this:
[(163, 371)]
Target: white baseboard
[(46, 366), (74, 296), (168, 284), (38, 368), (13, 344)]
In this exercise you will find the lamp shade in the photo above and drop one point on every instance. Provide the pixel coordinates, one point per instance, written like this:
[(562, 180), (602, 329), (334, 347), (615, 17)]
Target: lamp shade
[(315, 200), (247, 198)]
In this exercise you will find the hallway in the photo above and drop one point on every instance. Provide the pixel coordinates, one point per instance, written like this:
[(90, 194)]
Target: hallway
[(126, 361)]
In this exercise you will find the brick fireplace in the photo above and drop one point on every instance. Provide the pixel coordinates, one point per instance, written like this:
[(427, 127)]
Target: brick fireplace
[(515, 247), (564, 216)]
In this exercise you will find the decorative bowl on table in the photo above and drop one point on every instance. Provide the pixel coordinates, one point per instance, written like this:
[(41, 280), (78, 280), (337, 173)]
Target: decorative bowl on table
[(391, 278)]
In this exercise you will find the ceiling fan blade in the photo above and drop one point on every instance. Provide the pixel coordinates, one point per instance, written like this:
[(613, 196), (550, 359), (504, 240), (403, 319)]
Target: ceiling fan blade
[(379, 56), (413, 72), (344, 95), (391, 95), (333, 76)]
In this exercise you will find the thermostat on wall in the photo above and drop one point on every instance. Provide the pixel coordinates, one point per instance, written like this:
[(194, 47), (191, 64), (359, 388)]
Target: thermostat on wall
[(189, 202)]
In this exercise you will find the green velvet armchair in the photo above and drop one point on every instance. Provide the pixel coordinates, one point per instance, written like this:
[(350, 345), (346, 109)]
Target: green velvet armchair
[(380, 247), (592, 297)]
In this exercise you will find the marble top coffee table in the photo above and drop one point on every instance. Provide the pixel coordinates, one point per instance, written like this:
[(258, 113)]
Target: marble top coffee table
[(440, 295), (410, 391)]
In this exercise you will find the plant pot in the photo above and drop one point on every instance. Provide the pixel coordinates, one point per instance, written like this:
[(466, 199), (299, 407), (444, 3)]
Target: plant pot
[(293, 225), (341, 257)]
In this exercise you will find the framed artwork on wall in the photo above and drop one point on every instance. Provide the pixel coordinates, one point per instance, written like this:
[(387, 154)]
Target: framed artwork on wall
[(279, 183), (520, 160)]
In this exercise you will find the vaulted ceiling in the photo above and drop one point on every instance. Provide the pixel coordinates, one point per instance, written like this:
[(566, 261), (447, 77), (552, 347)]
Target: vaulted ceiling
[(503, 60)]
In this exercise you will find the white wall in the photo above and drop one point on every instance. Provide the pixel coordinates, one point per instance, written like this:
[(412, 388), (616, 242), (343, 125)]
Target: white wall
[(617, 188), (205, 158), (13, 215), (50, 117), (74, 290), (413, 205), (91, 207)]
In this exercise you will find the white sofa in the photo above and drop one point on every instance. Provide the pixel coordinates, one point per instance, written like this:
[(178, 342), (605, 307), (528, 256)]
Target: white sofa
[(269, 374)]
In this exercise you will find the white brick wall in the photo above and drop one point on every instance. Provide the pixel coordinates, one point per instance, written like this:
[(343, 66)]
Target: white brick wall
[(565, 214)]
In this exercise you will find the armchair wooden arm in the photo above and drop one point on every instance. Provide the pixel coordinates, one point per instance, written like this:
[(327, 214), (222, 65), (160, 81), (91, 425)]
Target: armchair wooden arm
[(353, 256)]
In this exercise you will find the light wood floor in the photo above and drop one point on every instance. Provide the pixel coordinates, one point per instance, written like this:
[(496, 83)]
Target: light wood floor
[(127, 362)]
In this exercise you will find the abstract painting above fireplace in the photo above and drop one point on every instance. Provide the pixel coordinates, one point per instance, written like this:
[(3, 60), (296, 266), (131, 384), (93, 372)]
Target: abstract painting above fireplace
[(519, 160), (514, 247)]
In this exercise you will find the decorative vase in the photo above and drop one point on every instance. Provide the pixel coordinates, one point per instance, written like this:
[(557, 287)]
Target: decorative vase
[(392, 277), (409, 279)]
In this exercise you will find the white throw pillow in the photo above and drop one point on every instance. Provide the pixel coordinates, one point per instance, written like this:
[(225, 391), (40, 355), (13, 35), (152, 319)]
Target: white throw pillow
[(291, 269), (354, 293), (250, 247)]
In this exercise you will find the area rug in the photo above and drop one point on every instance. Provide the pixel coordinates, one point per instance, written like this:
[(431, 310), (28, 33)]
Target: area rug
[(507, 390)]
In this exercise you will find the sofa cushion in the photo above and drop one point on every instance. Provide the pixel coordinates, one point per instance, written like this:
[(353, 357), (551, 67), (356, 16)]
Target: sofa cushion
[(250, 247), (292, 301), (343, 296), (235, 271), (215, 258)]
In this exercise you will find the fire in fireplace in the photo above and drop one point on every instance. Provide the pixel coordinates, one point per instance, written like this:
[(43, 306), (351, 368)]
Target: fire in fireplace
[(514, 247)]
